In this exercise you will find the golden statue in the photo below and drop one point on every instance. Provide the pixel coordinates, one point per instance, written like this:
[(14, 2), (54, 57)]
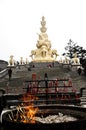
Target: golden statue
[(66, 60), (43, 53), (21, 60), (11, 61), (75, 59), (26, 61)]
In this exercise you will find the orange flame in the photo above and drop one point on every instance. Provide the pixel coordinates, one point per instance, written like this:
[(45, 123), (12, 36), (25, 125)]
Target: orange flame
[(28, 114)]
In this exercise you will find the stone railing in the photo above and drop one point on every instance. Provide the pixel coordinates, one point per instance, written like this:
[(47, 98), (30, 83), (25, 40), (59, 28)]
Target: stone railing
[(3, 73)]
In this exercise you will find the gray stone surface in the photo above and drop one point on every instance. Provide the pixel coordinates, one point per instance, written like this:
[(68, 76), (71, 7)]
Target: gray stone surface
[(19, 76)]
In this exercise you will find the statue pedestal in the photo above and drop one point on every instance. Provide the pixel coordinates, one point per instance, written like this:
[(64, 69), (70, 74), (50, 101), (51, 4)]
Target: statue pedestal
[(66, 65), (43, 64), (21, 66), (13, 67), (74, 67)]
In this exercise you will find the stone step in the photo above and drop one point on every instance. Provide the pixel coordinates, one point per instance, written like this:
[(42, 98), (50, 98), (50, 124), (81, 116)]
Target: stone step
[(83, 97), (83, 100), (84, 91), (83, 103)]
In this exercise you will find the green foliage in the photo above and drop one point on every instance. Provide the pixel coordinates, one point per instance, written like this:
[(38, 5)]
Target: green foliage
[(72, 48)]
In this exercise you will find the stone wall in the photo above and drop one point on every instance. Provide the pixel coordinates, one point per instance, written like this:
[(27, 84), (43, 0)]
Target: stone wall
[(43, 64)]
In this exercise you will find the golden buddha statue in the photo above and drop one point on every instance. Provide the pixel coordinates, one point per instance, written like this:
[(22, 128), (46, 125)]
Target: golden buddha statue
[(43, 53)]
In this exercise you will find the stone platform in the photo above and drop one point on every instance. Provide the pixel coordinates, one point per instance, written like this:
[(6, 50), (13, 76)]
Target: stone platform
[(44, 64)]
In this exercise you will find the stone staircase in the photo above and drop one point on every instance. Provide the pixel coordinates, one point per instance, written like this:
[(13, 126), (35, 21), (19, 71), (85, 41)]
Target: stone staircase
[(22, 74), (83, 97)]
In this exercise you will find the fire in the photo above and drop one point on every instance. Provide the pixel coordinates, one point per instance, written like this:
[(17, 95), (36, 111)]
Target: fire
[(30, 113), (30, 109), (26, 111), (28, 99)]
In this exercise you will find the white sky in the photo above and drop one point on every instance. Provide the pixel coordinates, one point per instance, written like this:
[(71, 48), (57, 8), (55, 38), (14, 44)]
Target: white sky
[(20, 23)]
